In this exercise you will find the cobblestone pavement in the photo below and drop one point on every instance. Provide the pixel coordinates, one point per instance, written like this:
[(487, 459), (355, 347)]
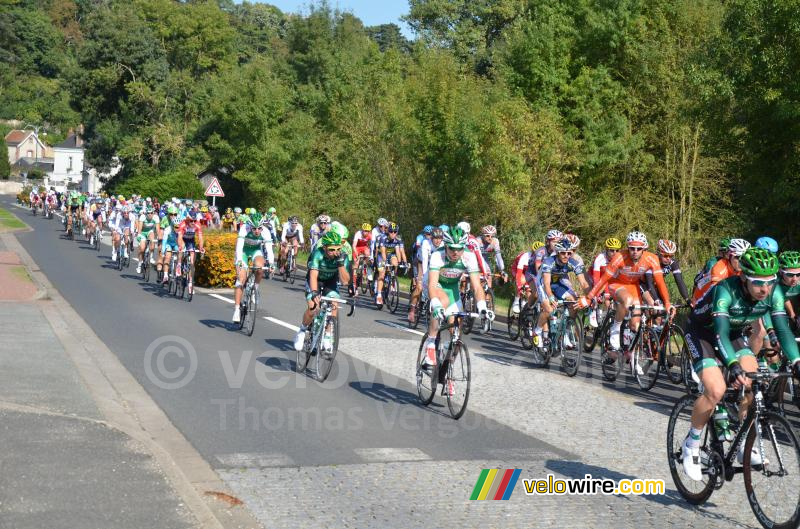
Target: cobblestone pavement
[(615, 436)]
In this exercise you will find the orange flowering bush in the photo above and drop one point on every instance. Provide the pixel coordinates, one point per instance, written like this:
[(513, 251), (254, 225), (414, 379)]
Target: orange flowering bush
[(217, 270)]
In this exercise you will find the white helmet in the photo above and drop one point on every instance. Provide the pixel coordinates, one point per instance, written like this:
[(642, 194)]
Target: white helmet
[(383, 222), (464, 225), (737, 247), (637, 239), (667, 247), (554, 234)]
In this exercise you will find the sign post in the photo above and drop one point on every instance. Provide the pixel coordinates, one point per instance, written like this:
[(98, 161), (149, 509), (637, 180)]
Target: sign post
[(214, 190)]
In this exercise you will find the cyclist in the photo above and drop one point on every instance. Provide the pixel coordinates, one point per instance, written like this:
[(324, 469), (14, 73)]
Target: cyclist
[(189, 231), (429, 246), (228, 220), (447, 266), (121, 232), (669, 265), (292, 234), (724, 268), (601, 260), (169, 235), (318, 229), (147, 224), (73, 208), (390, 251), (550, 240), (237, 218), (624, 275), (326, 267), (789, 262), (252, 235), (716, 331), (416, 270), (767, 243), (378, 232), (722, 251), (552, 282), (490, 247), (273, 223), (524, 277), (576, 242), (361, 243), (97, 217)]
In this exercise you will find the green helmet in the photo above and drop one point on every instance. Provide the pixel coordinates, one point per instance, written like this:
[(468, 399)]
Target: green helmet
[(758, 262), (455, 238), (789, 259), (341, 229), (271, 210), (331, 238), (255, 218), (172, 210), (724, 243)]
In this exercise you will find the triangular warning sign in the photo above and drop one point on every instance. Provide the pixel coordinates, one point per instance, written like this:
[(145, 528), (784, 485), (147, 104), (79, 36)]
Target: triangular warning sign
[(214, 189)]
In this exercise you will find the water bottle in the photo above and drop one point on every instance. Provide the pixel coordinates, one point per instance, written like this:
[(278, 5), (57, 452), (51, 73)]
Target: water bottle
[(722, 423)]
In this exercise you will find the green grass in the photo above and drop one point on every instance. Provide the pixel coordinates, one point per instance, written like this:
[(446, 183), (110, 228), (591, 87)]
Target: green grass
[(9, 221)]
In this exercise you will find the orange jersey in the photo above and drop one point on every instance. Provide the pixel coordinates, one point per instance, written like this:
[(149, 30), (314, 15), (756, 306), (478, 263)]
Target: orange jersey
[(722, 269), (622, 270)]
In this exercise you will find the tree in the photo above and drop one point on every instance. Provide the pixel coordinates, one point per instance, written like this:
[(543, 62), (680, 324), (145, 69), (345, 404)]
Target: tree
[(5, 166)]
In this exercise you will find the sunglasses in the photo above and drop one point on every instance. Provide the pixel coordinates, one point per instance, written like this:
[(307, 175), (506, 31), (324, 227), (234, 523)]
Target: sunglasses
[(761, 282), (635, 249), (332, 248), (791, 274), (612, 250), (565, 253), (324, 223), (455, 249)]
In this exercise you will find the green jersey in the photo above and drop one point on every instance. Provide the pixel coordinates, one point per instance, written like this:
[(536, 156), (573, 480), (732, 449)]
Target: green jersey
[(327, 268), (148, 225), (790, 293), (450, 272)]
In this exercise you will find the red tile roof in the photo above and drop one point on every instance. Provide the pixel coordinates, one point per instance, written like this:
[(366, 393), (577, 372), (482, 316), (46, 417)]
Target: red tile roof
[(15, 137)]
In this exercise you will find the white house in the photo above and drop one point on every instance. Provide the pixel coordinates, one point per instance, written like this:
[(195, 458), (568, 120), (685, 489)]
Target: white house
[(93, 180), (67, 162)]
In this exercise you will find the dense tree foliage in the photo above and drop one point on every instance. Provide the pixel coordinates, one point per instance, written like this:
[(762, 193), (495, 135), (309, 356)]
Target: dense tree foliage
[(677, 117)]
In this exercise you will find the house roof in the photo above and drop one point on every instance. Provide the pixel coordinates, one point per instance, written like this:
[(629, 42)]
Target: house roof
[(15, 137), (73, 141), (46, 164)]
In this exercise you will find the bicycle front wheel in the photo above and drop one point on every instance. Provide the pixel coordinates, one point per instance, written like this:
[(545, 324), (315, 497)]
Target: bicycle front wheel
[(695, 492), (326, 357), (457, 381), (527, 318), (469, 306), (671, 363), (393, 296), (252, 308), (645, 359), (571, 356), (426, 376), (292, 264), (512, 321), (773, 485)]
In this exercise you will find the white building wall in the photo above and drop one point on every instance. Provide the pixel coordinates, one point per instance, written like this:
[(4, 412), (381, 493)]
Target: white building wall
[(67, 165)]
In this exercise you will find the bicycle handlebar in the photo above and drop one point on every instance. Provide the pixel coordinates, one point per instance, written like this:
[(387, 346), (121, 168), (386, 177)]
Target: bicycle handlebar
[(340, 301)]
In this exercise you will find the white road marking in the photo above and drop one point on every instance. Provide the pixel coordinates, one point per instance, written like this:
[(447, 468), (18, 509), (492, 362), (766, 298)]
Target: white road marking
[(223, 298), (276, 321), (403, 328), (382, 455), (255, 460)]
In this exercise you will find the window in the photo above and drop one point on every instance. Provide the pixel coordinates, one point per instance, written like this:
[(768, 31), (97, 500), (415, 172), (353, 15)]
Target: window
[(30, 153), (69, 166)]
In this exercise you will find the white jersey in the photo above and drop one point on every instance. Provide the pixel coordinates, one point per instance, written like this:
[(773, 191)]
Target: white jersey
[(427, 249), (291, 233), (120, 223)]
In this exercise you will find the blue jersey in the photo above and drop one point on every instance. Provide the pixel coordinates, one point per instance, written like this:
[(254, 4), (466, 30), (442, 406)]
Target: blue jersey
[(391, 245), (558, 271)]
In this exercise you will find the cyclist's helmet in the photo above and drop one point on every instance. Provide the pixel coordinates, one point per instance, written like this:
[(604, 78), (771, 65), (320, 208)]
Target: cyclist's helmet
[(667, 247), (724, 243), (563, 245), (323, 219), (767, 243), (427, 229), (637, 239), (758, 262), (437, 233), (293, 219), (150, 210), (383, 222), (465, 227), (553, 234), (204, 209), (536, 245), (331, 238), (789, 260), (271, 210), (366, 227), (489, 230), (229, 210), (738, 247), (341, 229), (172, 210), (254, 219), (237, 210), (574, 239), (394, 228), (612, 243), (455, 238), (444, 227)]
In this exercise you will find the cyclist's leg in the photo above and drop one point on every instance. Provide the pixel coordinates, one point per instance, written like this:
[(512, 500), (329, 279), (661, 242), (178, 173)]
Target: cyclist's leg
[(241, 273), (258, 260), (181, 245)]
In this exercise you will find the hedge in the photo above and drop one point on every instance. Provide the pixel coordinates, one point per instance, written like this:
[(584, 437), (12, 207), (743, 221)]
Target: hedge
[(216, 270)]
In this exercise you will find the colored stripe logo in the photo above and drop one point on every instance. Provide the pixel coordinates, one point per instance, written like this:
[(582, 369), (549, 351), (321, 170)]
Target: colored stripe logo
[(495, 484)]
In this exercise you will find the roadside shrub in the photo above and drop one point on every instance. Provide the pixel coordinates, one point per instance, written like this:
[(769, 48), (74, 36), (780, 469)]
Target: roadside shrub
[(216, 270)]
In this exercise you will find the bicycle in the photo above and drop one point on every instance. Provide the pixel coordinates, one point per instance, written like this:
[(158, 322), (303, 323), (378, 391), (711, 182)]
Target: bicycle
[(452, 368), (123, 257), (513, 318), (172, 284), (185, 283), (251, 299), (391, 287), (611, 360), (768, 432), (361, 271), (469, 303), (563, 325), (422, 312), (145, 262), (290, 265), (528, 316), (604, 316), (323, 339), (657, 353), (98, 237)]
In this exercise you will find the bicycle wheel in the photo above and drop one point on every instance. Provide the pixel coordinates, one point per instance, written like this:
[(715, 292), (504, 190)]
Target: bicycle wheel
[(688, 380), (487, 324), (773, 487), (571, 356), (695, 492), (526, 326), (146, 269), (304, 354), (362, 278), (180, 286), (671, 357), (457, 381), (251, 304), (418, 313), (292, 265), (427, 376), (190, 279), (394, 295), (610, 366), (512, 320), (468, 301), (644, 358), (592, 334), (325, 358)]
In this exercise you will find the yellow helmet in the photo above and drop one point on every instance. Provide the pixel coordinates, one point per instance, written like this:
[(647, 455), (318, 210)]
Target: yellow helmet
[(612, 243), (366, 226), (536, 245), (204, 209)]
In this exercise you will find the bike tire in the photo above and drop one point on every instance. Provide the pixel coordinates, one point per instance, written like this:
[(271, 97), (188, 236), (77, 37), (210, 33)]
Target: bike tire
[(394, 295), (689, 384), (468, 301), (251, 311), (362, 277), (591, 337), (571, 358), (512, 321), (644, 356), (325, 361), (779, 441), (427, 377), (671, 361), (291, 269), (695, 492), (527, 317), (180, 286), (459, 374), (610, 370), (487, 325), (304, 354), (146, 270), (189, 277)]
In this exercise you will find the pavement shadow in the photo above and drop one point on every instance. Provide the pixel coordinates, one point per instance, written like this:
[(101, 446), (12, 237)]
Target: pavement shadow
[(220, 324), (280, 345), (386, 394), (278, 363)]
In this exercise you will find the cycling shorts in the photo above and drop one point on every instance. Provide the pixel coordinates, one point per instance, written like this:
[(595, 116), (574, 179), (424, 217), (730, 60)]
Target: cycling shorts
[(142, 237), (632, 289), (329, 288), (389, 257), (74, 208), (170, 244), (360, 250), (188, 245), (702, 345), (560, 290), (250, 254)]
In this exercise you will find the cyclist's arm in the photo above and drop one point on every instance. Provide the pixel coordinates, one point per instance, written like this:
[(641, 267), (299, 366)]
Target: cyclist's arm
[(498, 259), (658, 276), (650, 284), (546, 279), (344, 275), (780, 322), (300, 234), (402, 254), (313, 276), (684, 292)]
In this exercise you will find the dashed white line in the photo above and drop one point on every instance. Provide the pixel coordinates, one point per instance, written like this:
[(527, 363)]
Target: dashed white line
[(383, 455), (223, 298), (276, 321), (402, 328)]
